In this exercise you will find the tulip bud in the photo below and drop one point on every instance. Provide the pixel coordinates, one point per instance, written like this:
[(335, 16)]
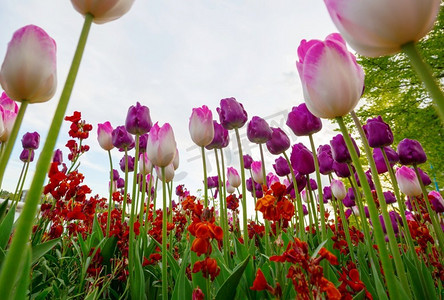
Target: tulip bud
[(411, 152), (103, 11), (104, 136), (201, 126), (24, 156), (408, 182), (378, 157), (338, 189), (258, 130), (176, 160), (302, 121), (339, 149), (378, 133), (130, 163), (279, 142), (220, 139), (138, 120), (8, 114), (31, 140), (230, 188), (122, 138), (256, 171), (232, 114), (233, 177), (437, 201), (145, 165), (302, 159), (161, 146), (169, 173), (281, 166), (248, 160), (58, 156)]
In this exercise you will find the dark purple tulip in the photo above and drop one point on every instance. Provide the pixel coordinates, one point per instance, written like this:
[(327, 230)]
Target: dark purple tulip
[(258, 130), (25, 155), (301, 182), (248, 160), (120, 183), (378, 133), (279, 142), (302, 159), (281, 166), (341, 169), (257, 186), (213, 182), (143, 139), (231, 114), (58, 156), (122, 139), (115, 174), (138, 120), (325, 159), (408, 204), (339, 149), (424, 177), (348, 213), (304, 209), (302, 121), (367, 212), (389, 197), (395, 218), (31, 140), (130, 163), (327, 193), (220, 139), (411, 153), (313, 184), (348, 202), (378, 157), (368, 174), (437, 201)]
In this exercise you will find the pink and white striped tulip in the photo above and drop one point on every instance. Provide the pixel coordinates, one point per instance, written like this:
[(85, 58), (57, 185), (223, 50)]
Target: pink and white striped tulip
[(169, 173), (176, 160), (332, 80), (256, 171), (304, 196), (29, 71), (201, 126), (233, 177), (8, 114), (230, 188), (103, 11), (380, 27), (104, 136), (338, 189), (145, 164), (408, 181), (161, 145)]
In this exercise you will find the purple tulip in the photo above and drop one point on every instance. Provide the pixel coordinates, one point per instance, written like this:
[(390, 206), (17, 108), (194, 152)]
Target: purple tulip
[(301, 182), (437, 201), (130, 163), (58, 156), (395, 218), (120, 183), (271, 179), (304, 209), (348, 202), (327, 193), (220, 139), (367, 212), (313, 184), (411, 153), (339, 149), (31, 140), (213, 182), (341, 169), (378, 157), (122, 139), (258, 131), (378, 133), (281, 166), (138, 120), (302, 121), (143, 140), (389, 197), (231, 114), (325, 159), (302, 159), (257, 187), (424, 177), (279, 142), (368, 174), (248, 160), (24, 156), (115, 174)]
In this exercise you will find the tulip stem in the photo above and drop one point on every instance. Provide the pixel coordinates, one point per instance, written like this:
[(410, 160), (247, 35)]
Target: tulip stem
[(244, 189), (426, 75), (24, 178), (142, 198), (264, 174), (394, 292), (164, 239), (4, 157), (18, 183), (24, 226), (125, 188), (204, 163), (108, 219), (223, 210)]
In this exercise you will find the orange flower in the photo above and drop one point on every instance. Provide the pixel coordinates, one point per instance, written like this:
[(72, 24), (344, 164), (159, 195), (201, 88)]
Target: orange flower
[(328, 256), (332, 292), (201, 246), (208, 266), (265, 202)]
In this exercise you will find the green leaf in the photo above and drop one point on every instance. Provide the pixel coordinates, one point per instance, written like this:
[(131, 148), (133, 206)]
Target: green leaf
[(182, 286), (138, 288), (171, 262), (3, 208), (228, 289), (23, 282), (315, 253), (6, 228), (41, 249), (97, 230), (380, 291), (360, 295)]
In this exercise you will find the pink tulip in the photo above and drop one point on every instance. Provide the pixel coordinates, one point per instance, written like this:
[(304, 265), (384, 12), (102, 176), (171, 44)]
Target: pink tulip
[(437, 201), (338, 189), (201, 126), (331, 79), (304, 196), (103, 10), (408, 182), (8, 114), (104, 135), (176, 160), (256, 171), (169, 173), (380, 27), (230, 188), (161, 145), (29, 70), (233, 177), (145, 165)]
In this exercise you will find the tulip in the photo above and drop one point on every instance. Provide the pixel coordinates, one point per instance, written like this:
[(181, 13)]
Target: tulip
[(8, 114), (301, 182), (281, 166), (338, 189), (248, 160), (304, 196), (31, 140), (408, 182), (103, 11), (257, 187), (233, 177), (230, 189), (304, 209), (169, 173), (411, 152), (279, 142), (256, 171), (176, 160), (213, 182), (327, 95), (424, 177), (138, 120), (325, 159), (378, 133), (348, 202), (29, 71), (313, 184), (327, 193), (121, 138), (24, 156), (258, 131), (302, 159), (143, 139), (115, 174), (232, 114), (271, 179), (145, 165), (339, 149), (437, 201), (120, 183), (394, 219), (105, 136), (201, 126), (161, 146), (302, 121), (220, 139), (378, 28), (130, 163), (341, 169), (389, 197), (58, 156), (368, 174), (378, 157)]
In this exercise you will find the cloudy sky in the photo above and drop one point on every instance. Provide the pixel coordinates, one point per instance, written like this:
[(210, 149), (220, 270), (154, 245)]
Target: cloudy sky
[(172, 56)]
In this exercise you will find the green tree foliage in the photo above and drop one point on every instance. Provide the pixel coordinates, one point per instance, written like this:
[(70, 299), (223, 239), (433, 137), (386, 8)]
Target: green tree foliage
[(394, 91)]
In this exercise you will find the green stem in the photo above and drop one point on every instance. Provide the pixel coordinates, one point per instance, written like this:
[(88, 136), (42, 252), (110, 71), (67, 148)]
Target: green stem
[(425, 74), (24, 178), (4, 158), (223, 210), (244, 189), (125, 188), (310, 203), (110, 200), (204, 163), (24, 226), (394, 293), (264, 174), (148, 204), (142, 201), (16, 197), (164, 239)]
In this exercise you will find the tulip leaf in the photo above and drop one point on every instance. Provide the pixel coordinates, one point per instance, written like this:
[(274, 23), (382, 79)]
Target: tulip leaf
[(138, 286), (380, 291), (41, 249), (228, 289), (182, 287), (23, 280), (3, 207), (6, 228)]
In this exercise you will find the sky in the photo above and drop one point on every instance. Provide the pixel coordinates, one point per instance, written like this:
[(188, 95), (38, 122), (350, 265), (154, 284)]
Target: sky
[(172, 56)]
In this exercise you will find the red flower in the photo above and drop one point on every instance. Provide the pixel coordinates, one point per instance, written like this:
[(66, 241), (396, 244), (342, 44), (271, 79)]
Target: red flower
[(260, 283), (198, 294), (209, 268), (201, 246)]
